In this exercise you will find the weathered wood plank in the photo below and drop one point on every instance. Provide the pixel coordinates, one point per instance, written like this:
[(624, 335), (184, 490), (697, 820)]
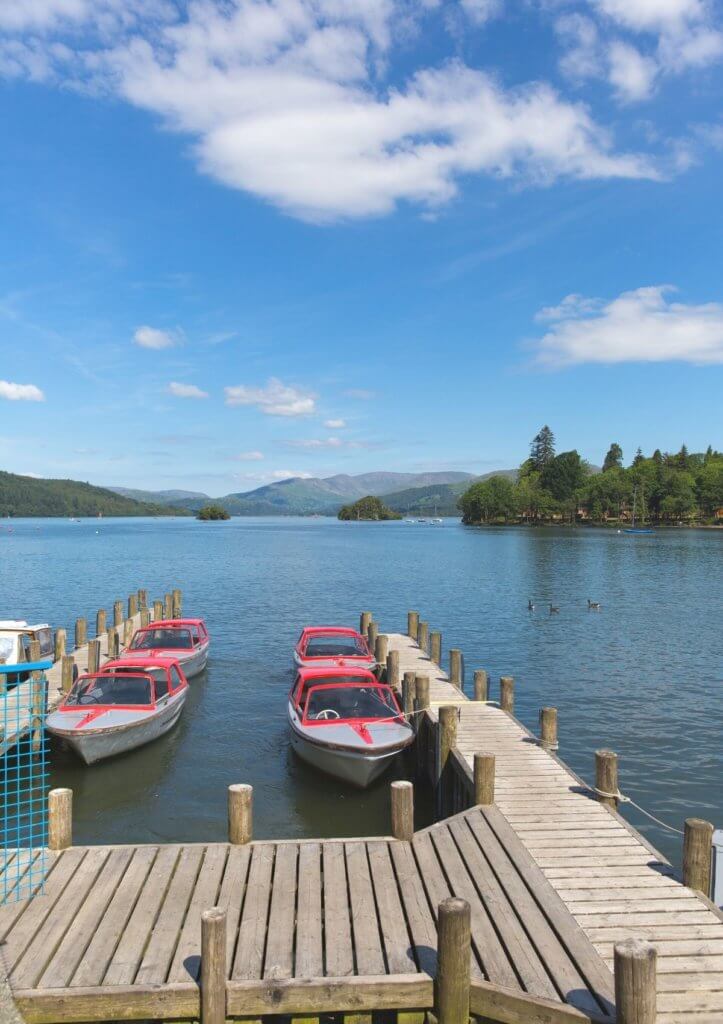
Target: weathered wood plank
[(231, 897), (252, 931), (122, 1002), (279, 960), (313, 996), (186, 962), (19, 922), (338, 952), (419, 917), (395, 936), (368, 952), (309, 940)]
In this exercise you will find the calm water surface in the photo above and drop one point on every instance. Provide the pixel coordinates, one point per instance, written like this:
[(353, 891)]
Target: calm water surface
[(642, 677)]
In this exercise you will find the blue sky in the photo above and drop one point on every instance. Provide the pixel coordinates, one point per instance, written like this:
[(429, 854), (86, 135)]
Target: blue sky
[(252, 239)]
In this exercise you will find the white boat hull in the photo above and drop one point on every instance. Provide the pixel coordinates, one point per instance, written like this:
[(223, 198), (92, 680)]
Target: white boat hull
[(192, 662)]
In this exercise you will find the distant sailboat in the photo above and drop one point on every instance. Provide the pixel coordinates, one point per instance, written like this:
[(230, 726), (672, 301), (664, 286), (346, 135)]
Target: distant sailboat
[(633, 528)]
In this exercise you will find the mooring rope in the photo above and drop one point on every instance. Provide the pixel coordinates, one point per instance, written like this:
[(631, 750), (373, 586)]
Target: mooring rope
[(623, 799)]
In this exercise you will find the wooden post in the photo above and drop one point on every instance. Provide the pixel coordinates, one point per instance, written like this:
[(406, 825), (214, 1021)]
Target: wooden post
[(635, 982), (81, 633), (402, 794), (423, 636), (409, 692), (698, 854), (484, 779), (100, 622), (145, 617), (66, 673), (447, 732), (421, 690), (168, 606), (423, 743), (37, 699), (412, 624), (365, 621), (372, 636), (142, 599), (113, 645), (60, 819), (132, 605), (455, 668), (393, 669), (117, 613), (435, 648), (548, 727), (93, 656), (606, 776), (453, 962), (481, 685), (240, 814), (177, 603), (59, 644), (127, 632), (507, 694), (157, 610), (381, 649), (213, 966)]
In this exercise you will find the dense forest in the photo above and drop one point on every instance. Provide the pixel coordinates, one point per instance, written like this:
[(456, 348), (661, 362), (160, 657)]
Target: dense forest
[(663, 488), (28, 496), (367, 508)]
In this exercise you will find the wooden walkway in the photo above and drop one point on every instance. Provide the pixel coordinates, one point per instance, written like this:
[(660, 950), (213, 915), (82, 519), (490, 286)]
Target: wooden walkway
[(117, 931), (613, 883)]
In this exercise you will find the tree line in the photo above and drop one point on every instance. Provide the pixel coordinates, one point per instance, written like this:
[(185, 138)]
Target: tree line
[(29, 496), (661, 488)]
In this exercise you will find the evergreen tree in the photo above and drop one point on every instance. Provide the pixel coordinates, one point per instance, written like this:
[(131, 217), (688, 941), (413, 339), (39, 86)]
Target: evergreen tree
[(658, 457), (614, 458), (682, 457), (542, 449), (639, 457)]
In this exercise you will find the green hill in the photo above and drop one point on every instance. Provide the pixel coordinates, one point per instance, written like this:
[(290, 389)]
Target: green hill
[(439, 499), (28, 496)]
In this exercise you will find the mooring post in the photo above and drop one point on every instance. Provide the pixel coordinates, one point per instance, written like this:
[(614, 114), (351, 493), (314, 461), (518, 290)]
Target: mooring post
[(93, 656), (240, 814), (168, 606), (435, 647), (423, 636), (213, 966), (142, 599), (606, 777), (481, 685), (412, 624), (381, 649), (100, 622), (372, 635), (177, 603), (635, 982), (132, 605), (60, 819), (112, 637), (393, 669), (127, 632), (548, 727), (157, 611), (402, 797), (447, 730), (37, 699), (117, 613), (422, 744), (81, 633), (698, 854), (455, 668), (59, 643), (484, 779), (421, 692), (66, 672), (364, 622), (451, 989), (145, 617), (507, 694), (409, 692)]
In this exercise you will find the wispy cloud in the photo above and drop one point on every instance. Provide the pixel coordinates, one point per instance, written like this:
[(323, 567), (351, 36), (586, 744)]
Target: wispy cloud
[(275, 399), (155, 338), (185, 390), (335, 424), (248, 457), (20, 393), (363, 394)]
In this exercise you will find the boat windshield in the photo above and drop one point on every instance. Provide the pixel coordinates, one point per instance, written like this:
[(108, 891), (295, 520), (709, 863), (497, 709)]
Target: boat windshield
[(335, 645), (334, 702), (166, 638), (111, 689)]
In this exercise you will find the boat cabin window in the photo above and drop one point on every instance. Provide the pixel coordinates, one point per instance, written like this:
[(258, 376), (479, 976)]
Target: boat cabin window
[(350, 702), (168, 639), (161, 685), (176, 679), (111, 689), (302, 689), (335, 645)]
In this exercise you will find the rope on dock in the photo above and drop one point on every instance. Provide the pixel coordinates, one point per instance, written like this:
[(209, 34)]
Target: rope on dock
[(621, 798)]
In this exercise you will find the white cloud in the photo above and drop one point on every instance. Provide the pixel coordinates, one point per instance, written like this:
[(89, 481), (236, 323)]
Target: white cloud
[(638, 326), (653, 15), (153, 337), (481, 11), (186, 390), (248, 457), (287, 474), (316, 442), (288, 100), (631, 74), (20, 392), (335, 424), (276, 399)]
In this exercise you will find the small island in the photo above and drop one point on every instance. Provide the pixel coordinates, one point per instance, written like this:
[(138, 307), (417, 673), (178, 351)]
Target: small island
[(369, 508), (212, 512)]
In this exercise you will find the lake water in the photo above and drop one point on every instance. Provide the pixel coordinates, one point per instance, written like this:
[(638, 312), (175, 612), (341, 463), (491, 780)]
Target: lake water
[(642, 676)]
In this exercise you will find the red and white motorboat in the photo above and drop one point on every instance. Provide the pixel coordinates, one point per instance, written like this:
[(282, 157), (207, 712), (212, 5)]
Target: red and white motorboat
[(184, 640), (332, 646), (346, 723), (120, 708)]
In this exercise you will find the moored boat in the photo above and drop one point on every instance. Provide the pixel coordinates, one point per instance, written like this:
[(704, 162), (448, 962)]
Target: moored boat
[(332, 646), (184, 640), (346, 723), (120, 708)]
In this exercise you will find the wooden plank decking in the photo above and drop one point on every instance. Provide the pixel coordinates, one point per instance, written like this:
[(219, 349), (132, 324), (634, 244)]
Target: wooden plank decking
[(613, 883)]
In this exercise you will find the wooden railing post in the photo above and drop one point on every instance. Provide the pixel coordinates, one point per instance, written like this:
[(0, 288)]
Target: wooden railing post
[(435, 647), (453, 962), (132, 605), (168, 606), (157, 611), (127, 632), (635, 982), (117, 613), (402, 796), (393, 669), (423, 636), (412, 624), (59, 644), (481, 685), (60, 819), (365, 620), (447, 741), (93, 656), (240, 814), (67, 673), (484, 779), (425, 736), (606, 777), (81, 633), (372, 635), (455, 668), (38, 690), (409, 692), (142, 599), (145, 617), (213, 966), (698, 854), (100, 622), (177, 603), (381, 649), (507, 694), (548, 727)]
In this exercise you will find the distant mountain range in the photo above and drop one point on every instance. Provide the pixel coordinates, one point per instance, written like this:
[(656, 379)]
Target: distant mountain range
[(31, 496), (409, 493)]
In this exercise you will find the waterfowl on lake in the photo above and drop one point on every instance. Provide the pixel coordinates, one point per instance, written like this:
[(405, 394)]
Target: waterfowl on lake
[(554, 610), (530, 605), (330, 646), (346, 723), (120, 708), (593, 606), (184, 640)]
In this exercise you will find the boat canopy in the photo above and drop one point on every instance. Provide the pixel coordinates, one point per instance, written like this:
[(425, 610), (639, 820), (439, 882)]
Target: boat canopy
[(335, 645), (162, 638), (109, 689), (350, 702)]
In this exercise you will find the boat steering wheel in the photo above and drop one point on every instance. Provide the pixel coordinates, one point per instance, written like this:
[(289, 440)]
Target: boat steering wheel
[(327, 713)]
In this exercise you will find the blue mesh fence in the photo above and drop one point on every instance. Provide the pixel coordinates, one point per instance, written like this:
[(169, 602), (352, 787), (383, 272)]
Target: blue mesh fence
[(23, 780)]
